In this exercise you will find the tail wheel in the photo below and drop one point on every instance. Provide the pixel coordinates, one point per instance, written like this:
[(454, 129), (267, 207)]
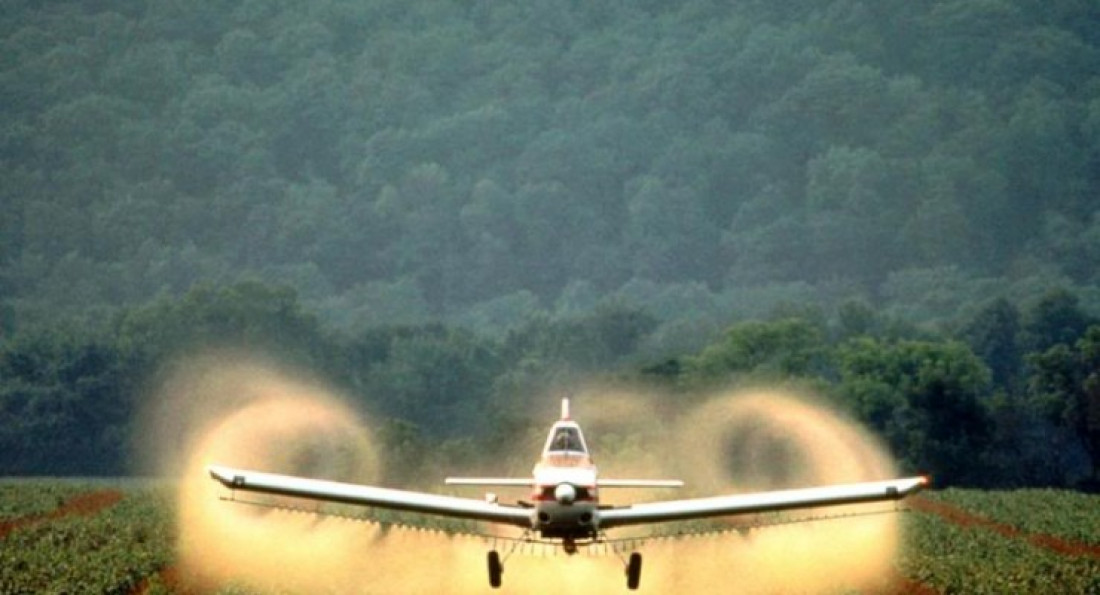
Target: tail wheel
[(634, 571), (495, 569)]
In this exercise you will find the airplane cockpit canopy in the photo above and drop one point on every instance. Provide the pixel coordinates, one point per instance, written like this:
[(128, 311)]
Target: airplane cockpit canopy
[(565, 437)]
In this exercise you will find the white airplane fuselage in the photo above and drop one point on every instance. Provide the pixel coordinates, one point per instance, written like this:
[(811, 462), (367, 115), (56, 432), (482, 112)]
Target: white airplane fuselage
[(566, 497), (565, 493)]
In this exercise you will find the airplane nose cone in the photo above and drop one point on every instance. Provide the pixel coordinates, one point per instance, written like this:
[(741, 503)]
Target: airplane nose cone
[(565, 494)]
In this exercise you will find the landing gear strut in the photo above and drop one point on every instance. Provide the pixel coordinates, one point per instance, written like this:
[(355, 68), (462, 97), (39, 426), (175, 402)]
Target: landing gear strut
[(495, 569), (634, 571)]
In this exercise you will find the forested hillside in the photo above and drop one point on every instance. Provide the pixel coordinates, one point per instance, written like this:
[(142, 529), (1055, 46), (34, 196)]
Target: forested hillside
[(474, 161), (446, 207)]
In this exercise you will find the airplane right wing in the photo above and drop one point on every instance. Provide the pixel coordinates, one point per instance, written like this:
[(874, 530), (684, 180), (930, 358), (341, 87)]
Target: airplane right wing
[(698, 508)]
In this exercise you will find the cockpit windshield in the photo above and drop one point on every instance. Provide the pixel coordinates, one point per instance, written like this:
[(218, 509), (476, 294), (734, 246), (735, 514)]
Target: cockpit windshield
[(566, 438)]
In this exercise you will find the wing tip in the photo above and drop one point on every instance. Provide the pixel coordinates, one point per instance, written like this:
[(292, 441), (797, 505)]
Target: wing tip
[(225, 476)]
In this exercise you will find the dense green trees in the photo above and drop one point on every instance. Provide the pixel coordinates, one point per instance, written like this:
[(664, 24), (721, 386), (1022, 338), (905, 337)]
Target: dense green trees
[(65, 405), (1009, 399), (774, 350), (578, 187), (469, 152), (1064, 386), (924, 399)]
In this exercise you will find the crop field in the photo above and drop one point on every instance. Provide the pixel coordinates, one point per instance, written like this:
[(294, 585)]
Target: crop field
[(120, 537)]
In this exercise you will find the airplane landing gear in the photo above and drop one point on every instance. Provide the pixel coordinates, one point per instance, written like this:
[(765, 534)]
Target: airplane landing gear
[(634, 571), (495, 569)]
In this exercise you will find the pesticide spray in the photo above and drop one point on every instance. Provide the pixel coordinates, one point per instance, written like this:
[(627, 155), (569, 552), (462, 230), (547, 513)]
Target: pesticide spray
[(236, 411)]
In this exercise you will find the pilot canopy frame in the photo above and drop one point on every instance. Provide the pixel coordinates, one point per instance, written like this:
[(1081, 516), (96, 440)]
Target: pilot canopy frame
[(565, 438)]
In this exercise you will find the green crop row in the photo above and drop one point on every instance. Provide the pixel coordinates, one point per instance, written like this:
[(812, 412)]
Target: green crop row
[(972, 559), (111, 551), (1066, 515), (26, 498), (123, 548)]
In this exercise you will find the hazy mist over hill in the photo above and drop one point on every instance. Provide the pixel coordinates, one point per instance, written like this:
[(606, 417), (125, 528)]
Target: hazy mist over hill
[(480, 161)]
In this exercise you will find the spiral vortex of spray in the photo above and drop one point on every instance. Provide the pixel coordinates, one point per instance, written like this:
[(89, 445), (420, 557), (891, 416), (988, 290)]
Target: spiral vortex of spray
[(238, 412)]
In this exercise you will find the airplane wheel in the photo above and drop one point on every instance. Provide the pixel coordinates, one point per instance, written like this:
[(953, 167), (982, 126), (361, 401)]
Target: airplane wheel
[(634, 571), (495, 569)]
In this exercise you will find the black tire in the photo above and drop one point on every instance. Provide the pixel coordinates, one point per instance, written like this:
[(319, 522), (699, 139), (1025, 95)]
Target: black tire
[(495, 569), (634, 571)]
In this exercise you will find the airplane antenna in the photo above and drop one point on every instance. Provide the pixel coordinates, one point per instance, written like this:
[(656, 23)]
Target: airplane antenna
[(565, 409)]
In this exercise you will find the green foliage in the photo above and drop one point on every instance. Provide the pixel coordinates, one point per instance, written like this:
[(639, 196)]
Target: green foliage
[(547, 354), (951, 558), (111, 551), (64, 406), (762, 350), (546, 173), (994, 335), (439, 378), (1058, 513), (480, 151), (587, 343), (31, 498), (992, 413), (1056, 319), (248, 315), (68, 396), (1014, 557), (923, 398), (1063, 386)]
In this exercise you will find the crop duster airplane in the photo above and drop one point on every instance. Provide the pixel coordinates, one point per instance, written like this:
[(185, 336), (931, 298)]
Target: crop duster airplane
[(565, 508)]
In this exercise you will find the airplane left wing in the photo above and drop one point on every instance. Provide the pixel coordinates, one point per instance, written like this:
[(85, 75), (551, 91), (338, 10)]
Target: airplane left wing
[(346, 493), (698, 508)]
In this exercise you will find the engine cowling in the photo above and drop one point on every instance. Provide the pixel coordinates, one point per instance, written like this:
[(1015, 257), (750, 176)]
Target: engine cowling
[(565, 494)]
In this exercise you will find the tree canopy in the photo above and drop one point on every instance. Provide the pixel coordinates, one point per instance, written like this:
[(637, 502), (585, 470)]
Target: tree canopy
[(428, 158), (454, 203)]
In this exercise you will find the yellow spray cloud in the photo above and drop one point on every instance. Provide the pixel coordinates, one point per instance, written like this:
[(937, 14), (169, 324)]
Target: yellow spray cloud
[(238, 412)]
